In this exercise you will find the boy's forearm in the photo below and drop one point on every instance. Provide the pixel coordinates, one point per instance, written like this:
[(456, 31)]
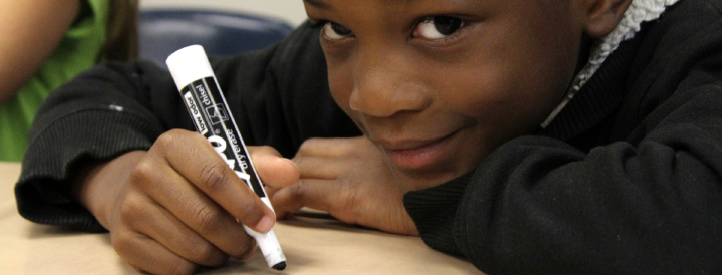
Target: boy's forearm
[(562, 212), (97, 183)]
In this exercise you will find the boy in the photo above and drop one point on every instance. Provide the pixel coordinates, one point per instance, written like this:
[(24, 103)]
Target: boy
[(531, 137)]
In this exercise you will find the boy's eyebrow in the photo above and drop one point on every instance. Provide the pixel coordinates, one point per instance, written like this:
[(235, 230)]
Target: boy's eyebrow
[(322, 4), (317, 3)]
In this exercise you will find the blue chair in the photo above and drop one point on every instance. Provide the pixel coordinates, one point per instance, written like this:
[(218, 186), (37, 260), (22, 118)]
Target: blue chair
[(161, 32)]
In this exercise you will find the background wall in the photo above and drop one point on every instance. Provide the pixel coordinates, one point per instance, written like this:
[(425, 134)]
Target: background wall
[(288, 10)]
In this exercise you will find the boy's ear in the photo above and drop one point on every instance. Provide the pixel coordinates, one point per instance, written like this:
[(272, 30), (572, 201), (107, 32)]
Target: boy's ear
[(603, 16)]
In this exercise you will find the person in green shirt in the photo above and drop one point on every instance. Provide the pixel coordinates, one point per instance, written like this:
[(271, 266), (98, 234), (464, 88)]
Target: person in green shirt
[(52, 41)]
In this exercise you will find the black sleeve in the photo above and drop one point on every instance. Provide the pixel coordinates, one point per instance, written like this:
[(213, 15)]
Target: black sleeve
[(279, 97), (540, 206), (651, 204)]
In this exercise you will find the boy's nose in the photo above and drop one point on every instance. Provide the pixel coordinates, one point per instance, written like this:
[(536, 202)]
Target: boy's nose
[(384, 84)]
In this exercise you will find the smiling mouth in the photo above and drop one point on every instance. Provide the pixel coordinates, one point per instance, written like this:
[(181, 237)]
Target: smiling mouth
[(418, 155)]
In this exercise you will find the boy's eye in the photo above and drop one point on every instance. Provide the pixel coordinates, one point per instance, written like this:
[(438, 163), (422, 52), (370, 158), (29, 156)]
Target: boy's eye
[(335, 31), (437, 27)]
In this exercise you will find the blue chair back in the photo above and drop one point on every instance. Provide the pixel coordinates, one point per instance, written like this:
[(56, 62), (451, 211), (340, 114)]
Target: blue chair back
[(161, 32)]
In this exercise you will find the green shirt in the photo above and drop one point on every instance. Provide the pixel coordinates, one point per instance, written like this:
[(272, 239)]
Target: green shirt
[(76, 52)]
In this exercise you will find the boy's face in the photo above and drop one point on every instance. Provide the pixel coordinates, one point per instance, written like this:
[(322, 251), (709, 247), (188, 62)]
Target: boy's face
[(439, 84)]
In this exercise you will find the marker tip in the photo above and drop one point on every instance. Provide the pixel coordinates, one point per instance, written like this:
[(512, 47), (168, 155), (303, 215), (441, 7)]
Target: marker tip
[(280, 266)]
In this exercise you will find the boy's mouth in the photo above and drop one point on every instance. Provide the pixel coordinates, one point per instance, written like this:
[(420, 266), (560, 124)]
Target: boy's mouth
[(416, 155)]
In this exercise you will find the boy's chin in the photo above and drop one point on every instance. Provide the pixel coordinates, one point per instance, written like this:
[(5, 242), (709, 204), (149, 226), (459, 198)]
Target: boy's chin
[(418, 179)]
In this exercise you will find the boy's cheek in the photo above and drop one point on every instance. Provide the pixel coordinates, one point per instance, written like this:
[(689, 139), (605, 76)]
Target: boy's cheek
[(340, 83)]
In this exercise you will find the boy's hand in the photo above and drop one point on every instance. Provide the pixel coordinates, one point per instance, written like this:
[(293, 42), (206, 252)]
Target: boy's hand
[(175, 207), (348, 178)]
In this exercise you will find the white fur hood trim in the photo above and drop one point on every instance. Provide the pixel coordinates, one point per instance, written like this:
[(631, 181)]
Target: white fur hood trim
[(639, 12)]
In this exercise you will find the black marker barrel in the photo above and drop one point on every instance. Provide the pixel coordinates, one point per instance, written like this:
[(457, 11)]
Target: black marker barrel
[(206, 104)]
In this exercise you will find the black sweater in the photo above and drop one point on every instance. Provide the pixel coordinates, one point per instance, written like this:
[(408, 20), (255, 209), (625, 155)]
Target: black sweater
[(626, 180)]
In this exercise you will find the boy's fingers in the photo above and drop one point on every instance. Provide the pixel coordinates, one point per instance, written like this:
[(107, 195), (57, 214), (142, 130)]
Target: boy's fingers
[(273, 169), (322, 168), (160, 225), (283, 203), (194, 158), (188, 204), (317, 194), (145, 254), (327, 147)]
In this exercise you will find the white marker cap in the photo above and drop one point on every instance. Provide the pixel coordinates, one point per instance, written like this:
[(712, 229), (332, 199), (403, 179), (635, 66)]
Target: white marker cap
[(189, 64)]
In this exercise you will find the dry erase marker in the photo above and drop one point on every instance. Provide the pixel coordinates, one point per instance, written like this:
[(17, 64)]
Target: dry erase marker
[(202, 96)]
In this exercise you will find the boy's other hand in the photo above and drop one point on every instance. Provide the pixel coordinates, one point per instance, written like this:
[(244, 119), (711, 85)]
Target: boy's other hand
[(175, 207), (348, 178)]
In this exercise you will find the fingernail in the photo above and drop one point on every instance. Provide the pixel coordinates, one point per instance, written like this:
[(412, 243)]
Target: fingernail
[(265, 224), (292, 163)]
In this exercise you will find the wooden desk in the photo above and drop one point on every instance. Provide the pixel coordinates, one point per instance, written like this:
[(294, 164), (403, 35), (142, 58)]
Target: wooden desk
[(313, 245)]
